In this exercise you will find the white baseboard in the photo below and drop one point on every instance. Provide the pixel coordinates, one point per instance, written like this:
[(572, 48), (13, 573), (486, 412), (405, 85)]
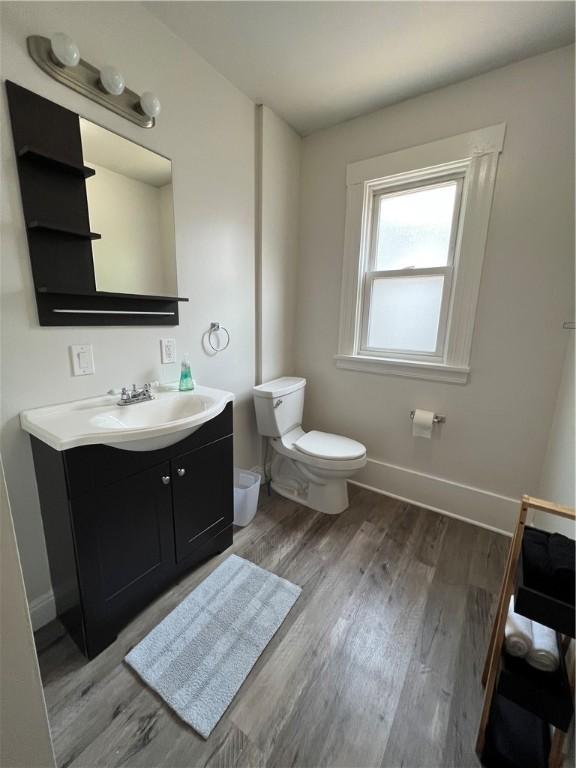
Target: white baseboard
[(42, 610), (464, 502)]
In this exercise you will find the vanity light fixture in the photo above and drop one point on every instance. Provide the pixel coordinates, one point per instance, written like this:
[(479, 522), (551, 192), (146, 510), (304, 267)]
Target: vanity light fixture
[(60, 58), (112, 81), (150, 104), (64, 51)]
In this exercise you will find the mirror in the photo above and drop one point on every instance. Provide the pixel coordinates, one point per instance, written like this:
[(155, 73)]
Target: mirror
[(130, 204)]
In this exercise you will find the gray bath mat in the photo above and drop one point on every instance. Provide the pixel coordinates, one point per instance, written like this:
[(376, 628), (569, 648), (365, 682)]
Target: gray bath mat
[(200, 654)]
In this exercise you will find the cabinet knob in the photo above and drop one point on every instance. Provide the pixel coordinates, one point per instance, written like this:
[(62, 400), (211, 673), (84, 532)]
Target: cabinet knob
[(181, 471), (166, 479)]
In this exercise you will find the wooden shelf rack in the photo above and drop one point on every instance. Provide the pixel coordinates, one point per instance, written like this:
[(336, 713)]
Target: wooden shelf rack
[(498, 671)]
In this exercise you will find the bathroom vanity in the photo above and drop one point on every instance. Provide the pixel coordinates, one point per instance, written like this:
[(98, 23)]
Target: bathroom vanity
[(123, 523)]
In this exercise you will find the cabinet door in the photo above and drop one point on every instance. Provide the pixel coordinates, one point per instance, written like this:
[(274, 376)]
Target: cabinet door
[(125, 544), (203, 493)]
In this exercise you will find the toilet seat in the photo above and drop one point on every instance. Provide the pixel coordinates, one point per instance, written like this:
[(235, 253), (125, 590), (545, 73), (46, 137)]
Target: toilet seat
[(323, 445), (286, 446)]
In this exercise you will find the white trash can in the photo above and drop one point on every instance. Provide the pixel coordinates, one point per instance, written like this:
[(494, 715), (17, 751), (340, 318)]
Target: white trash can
[(246, 489)]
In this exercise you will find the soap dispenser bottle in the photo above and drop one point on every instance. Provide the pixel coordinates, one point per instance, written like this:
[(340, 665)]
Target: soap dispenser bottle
[(186, 380)]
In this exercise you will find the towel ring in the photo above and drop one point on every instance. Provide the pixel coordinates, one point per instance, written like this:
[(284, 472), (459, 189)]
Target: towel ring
[(214, 327)]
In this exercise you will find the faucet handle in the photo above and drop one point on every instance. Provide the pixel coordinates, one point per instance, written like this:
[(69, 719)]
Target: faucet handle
[(148, 390)]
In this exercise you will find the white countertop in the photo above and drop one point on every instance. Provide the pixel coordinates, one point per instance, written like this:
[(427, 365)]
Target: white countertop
[(147, 425)]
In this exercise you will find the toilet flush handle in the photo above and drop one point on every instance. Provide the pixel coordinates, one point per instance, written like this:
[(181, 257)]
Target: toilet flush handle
[(277, 403)]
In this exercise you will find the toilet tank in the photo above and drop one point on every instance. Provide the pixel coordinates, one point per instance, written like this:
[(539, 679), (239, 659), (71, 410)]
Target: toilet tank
[(279, 405)]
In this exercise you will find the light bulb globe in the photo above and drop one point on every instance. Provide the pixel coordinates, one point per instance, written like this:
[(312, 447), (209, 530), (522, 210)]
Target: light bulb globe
[(150, 104), (112, 80), (64, 50)]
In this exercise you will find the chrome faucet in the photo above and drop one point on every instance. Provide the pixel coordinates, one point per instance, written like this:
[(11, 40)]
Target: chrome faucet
[(135, 395)]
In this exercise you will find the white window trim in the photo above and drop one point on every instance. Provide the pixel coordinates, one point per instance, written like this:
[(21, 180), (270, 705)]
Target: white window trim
[(472, 155)]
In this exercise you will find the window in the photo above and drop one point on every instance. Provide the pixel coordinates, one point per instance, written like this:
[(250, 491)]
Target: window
[(415, 241), (409, 277)]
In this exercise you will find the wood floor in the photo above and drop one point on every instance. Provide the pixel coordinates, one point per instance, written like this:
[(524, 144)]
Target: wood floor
[(377, 664)]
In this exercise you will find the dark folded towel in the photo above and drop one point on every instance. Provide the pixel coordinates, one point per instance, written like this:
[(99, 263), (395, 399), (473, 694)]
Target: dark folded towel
[(562, 551), (537, 566), (549, 564), (515, 738), (562, 554)]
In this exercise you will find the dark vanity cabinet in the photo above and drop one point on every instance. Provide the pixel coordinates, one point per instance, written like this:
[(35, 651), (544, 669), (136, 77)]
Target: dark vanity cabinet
[(122, 526)]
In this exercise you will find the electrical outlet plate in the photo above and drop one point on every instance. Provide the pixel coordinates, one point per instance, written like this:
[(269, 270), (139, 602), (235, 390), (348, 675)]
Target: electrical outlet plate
[(168, 351), (82, 359)]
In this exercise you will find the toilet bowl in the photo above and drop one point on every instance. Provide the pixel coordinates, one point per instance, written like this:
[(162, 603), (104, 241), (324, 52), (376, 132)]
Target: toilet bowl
[(309, 467)]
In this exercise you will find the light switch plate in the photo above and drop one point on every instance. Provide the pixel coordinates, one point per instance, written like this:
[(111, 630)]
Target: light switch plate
[(82, 359), (168, 351)]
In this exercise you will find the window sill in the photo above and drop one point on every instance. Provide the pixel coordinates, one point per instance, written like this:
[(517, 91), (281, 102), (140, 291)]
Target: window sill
[(413, 369)]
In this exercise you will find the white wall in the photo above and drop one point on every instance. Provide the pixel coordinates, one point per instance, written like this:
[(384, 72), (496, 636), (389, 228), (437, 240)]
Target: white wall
[(558, 481), (133, 251), (24, 732), (279, 194), (491, 449), (207, 129)]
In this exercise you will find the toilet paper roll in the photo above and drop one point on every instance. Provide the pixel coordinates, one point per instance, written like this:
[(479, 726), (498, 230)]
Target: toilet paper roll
[(422, 423)]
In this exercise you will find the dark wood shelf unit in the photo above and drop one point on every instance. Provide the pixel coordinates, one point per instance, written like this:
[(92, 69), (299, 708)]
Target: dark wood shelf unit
[(90, 309), (110, 295), (37, 155), (52, 176), (59, 229)]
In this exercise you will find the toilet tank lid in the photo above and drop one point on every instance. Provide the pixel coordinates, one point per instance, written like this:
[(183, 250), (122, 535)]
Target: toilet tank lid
[(279, 387)]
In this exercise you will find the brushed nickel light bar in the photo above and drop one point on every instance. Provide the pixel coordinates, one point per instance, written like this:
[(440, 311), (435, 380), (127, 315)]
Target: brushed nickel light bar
[(60, 58)]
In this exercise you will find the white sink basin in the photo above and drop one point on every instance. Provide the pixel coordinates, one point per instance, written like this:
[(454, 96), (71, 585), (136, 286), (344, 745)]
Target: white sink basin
[(145, 426)]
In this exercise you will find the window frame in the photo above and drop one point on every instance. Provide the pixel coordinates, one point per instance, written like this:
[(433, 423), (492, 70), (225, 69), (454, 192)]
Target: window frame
[(370, 274), (473, 157)]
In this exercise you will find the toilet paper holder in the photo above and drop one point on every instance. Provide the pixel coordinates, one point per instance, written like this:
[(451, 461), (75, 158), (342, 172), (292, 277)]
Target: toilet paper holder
[(437, 419)]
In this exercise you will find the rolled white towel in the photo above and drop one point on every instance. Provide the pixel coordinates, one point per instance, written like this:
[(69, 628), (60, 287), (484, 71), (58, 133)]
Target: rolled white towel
[(544, 654), (518, 633)]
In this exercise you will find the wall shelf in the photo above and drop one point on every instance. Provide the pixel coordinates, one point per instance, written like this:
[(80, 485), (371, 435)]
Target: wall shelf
[(42, 157), (101, 308), (110, 295), (56, 228)]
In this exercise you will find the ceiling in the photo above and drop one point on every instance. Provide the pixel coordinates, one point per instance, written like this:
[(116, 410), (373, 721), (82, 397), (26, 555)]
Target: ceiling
[(319, 63)]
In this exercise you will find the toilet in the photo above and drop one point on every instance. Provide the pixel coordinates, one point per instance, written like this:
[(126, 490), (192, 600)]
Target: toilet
[(309, 467)]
